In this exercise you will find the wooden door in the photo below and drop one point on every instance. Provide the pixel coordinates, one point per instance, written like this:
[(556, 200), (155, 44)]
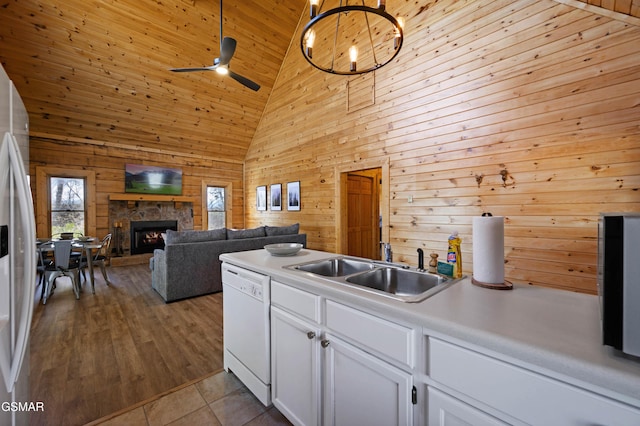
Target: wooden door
[(363, 216)]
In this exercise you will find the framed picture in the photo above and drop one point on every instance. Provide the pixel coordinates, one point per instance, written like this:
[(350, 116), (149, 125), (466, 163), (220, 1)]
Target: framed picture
[(276, 196), (293, 196), (152, 180), (261, 197)]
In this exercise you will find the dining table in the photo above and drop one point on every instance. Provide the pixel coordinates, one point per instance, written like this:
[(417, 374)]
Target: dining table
[(86, 245)]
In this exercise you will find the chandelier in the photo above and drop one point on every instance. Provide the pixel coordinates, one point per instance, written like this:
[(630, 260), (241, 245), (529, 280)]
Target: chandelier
[(351, 38)]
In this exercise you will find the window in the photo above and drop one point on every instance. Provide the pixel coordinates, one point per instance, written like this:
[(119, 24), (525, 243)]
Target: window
[(67, 205), (216, 214)]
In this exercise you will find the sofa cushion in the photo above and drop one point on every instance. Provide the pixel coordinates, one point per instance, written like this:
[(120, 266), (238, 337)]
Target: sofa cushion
[(282, 230), (237, 234), (177, 237)]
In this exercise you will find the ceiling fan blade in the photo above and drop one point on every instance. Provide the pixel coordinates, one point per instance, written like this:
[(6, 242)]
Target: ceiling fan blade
[(209, 68), (227, 49), (245, 81)]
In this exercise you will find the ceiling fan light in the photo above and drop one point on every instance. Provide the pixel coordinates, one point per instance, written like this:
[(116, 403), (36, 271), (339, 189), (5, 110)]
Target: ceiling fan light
[(222, 70)]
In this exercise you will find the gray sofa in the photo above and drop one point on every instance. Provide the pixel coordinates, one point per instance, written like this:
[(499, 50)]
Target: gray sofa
[(189, 265)]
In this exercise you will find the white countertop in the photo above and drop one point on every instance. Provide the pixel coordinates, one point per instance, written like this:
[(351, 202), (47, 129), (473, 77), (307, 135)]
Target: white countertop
[(553, 332)]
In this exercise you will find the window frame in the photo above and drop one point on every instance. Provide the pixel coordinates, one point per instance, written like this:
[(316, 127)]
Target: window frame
[(228, 217), (43, 197), (53, 211)]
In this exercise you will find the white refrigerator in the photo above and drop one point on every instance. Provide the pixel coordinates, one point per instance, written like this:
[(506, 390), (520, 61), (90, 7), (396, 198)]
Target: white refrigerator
[(17, 257)]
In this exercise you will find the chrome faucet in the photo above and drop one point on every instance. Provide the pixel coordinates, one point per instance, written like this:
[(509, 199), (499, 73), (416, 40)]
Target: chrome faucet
[(420, 260), (388, 254)]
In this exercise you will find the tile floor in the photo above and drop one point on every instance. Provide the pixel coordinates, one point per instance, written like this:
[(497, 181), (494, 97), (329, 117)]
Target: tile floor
[(220, 399)]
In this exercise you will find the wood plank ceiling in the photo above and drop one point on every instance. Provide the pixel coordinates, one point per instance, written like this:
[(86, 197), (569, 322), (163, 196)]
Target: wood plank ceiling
[(98, 69)]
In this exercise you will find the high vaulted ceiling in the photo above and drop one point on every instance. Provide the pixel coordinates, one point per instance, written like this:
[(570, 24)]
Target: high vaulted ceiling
[(98, 69)]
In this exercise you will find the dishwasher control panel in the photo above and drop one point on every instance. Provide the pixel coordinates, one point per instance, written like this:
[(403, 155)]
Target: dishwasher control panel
[(248, 282), (254, 290)]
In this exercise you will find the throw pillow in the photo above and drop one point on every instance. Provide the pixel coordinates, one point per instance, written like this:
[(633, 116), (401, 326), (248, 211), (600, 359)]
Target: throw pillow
[(282, 230), (236, 234)]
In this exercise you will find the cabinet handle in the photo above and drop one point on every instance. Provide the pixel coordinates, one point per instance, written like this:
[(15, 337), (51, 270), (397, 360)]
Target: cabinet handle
[(311, 335), (324, 343)]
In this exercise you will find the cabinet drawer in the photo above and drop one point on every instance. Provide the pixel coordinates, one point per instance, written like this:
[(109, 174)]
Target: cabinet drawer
[(297, 301), (523, 394), (388, 338)]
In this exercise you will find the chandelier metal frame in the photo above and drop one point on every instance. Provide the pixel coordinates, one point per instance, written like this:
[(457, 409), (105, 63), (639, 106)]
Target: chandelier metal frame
[(346, 9)]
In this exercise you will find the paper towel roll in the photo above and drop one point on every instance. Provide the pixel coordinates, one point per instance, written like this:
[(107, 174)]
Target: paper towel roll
[(488, 249)]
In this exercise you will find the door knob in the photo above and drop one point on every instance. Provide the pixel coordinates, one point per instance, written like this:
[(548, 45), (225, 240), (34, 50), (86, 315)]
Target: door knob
[(311, 335), (324, 343)]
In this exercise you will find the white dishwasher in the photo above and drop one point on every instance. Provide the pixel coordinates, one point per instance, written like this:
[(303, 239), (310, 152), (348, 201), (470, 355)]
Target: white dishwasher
[(247, 346)]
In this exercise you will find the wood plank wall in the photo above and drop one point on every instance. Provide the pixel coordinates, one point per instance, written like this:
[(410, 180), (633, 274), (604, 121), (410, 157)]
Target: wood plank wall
[(529, 110), (629, 7), (107, 161)]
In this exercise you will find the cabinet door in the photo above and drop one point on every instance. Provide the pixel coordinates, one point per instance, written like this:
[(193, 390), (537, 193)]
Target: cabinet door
[(295, 367), (360, 389), (445, 410)]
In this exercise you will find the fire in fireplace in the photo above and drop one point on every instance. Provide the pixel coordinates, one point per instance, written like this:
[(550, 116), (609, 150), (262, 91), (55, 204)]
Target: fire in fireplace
[(146, 235)]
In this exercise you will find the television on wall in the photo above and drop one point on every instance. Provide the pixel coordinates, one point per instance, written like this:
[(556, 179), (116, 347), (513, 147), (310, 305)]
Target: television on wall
[(141, 179)]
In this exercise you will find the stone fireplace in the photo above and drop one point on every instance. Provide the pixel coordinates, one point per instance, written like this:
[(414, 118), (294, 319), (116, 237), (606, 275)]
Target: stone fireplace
[(147, 235), (123, 213)]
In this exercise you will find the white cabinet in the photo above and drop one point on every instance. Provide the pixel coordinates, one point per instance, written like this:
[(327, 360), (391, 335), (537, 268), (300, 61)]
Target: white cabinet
[(319, 377), (390, 340), (445, 410), (360, 389), (295, 367), (511, 391)]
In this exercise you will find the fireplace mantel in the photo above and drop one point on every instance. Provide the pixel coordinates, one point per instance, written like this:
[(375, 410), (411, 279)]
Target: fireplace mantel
[(133, 198)]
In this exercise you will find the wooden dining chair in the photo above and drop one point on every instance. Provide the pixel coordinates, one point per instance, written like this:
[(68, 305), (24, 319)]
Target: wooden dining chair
[(99, 259), (62, 265)]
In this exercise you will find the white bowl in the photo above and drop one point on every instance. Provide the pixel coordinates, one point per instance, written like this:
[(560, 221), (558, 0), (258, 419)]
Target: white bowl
[(283, 249)]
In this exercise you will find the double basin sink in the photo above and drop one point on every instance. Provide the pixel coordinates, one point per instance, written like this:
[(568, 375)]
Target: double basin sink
[(391, 280)]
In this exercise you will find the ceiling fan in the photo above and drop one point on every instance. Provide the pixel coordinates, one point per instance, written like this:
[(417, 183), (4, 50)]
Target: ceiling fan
[(221, 64)]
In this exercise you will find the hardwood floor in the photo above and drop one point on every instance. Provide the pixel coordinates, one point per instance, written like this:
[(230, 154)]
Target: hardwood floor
[(123, 345)]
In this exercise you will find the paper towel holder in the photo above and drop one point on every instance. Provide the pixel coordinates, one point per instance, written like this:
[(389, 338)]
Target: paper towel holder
[(506, 285)]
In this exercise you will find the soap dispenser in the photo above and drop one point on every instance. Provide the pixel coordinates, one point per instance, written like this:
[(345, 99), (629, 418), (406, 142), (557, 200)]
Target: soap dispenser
[(454, 255)]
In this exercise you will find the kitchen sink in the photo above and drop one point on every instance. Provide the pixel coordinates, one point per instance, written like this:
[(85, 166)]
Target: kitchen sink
[(335, 267), (398, 281), (390, 280)]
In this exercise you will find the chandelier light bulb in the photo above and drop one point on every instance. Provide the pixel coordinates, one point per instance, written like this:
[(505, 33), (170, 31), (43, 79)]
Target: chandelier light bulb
[(353, 56), (396, 39), (381, 4), (314, 5), (309, 40)]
